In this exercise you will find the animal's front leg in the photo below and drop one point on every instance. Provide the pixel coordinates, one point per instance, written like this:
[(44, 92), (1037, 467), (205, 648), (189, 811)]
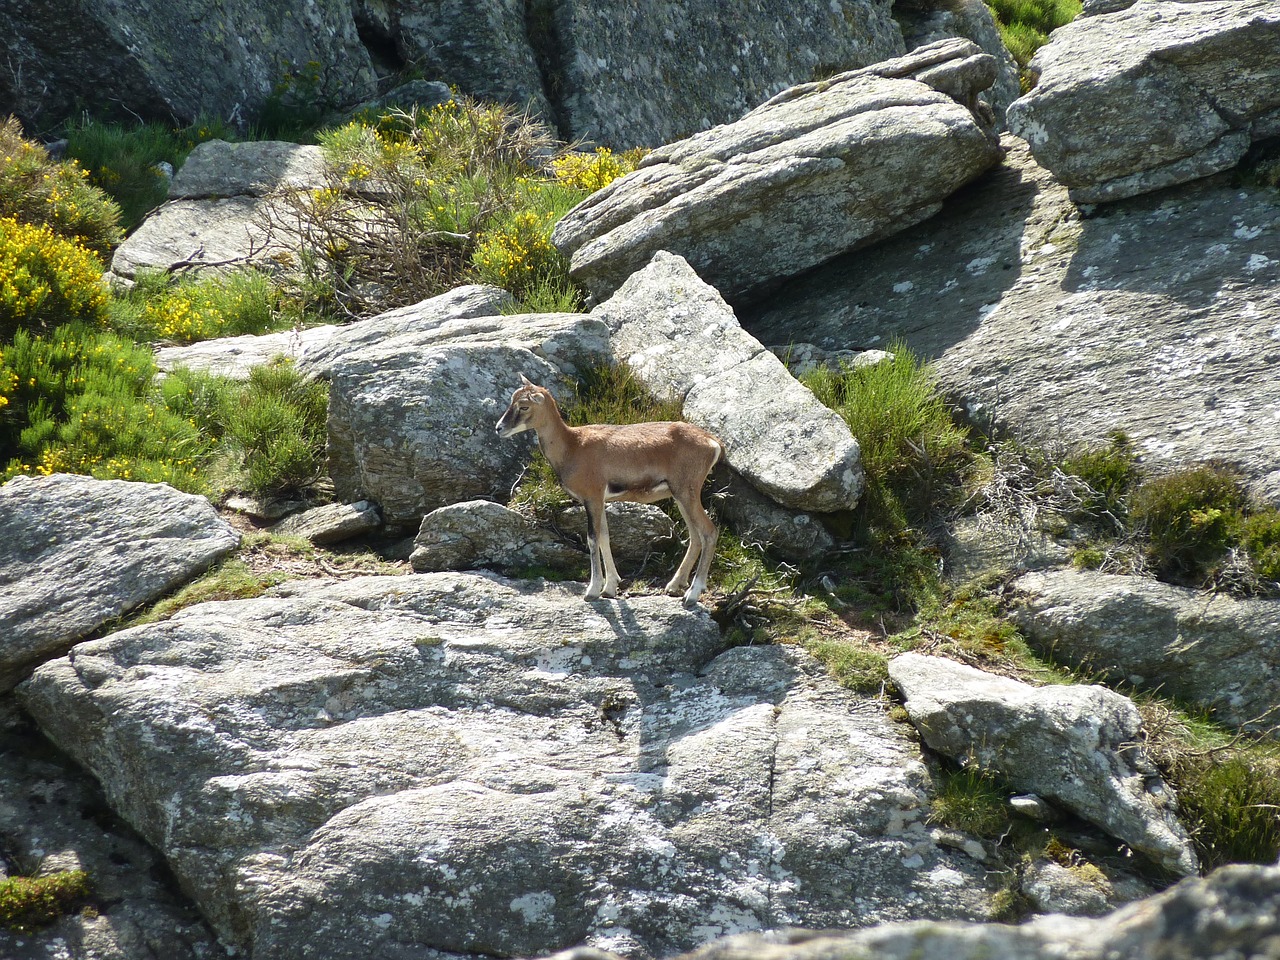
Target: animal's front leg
[(595, 519)]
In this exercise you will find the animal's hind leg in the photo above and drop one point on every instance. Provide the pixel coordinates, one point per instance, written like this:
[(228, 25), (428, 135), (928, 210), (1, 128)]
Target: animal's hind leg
[(680, 581)]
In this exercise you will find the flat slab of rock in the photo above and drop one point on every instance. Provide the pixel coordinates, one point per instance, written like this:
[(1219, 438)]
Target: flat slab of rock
[(481, 534), (76, 553), (1160, 93), (254, 168), (818, 170), (395, 765), (682, 340), (316, 348), (1157, 316), (331, 523), (1208, 649), (1076, 745)]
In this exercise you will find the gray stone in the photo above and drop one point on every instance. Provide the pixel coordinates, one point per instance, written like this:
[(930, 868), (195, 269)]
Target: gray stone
[(1156, 316), (755, 518), (177, 61), (818, 170), (1160, 93), (1231, 913), (388, 766), (314, 349), (331, 523), (682, 340), (1210, 650), (76, 553), (636, 530), (1079, 746), (481, 534), (256, 168), (1053, 888)]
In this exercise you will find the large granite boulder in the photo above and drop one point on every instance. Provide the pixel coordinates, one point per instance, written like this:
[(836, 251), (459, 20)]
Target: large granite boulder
[(392, 766), (1079, 746), (818, 170), (76, 553), (1211, 650), (682, 340), (1160, 93), (179, 60), (1155, 316)]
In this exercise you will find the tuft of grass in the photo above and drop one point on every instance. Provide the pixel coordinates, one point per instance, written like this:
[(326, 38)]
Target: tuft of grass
[(1110, 471), (860, 667), (233, 579), (27, 903), (972, 800), (1025, 25)]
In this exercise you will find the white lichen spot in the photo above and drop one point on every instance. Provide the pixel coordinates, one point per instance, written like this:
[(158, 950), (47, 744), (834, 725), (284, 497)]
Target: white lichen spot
[(534, 907), (947, 877), (1258, 262), (1247, 233), (906, 286), (979, 265)]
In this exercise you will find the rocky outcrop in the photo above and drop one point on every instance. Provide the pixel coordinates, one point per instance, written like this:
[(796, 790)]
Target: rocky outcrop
[(1079, 746), (1160, 93), (1231, 913), (682, 340), (1156, 316), (76, 553), (481, 534), (824, 168), (224, 210), (1211, 650), (411, 417), (176, 60), (395, 765), (331, 523), (315, 348)]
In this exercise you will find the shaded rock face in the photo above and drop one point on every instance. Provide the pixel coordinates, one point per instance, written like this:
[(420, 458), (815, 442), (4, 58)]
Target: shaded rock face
[(391, 765), (483, 534), (1076, 745), (823, 168), (167, 60), (76, 553), (1231, 913), (1157, 316), (682, 340), (1160, 93), (1210, 650)]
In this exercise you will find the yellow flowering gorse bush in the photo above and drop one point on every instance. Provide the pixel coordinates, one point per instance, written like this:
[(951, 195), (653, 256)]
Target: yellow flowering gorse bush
[(45, 279)]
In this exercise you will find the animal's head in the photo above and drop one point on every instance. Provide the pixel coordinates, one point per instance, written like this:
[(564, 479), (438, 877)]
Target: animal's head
[(527, 403)]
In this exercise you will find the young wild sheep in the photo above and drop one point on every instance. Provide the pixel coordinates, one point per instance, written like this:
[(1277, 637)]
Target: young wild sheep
[(640, 462)]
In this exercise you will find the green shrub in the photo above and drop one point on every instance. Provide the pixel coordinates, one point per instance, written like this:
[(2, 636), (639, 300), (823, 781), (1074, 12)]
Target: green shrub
[(45, 280), (1110, 471), (1188, 519), (37, 190), (277, 421), (1260, 537), (200, 308), (592, 171), (27, 903), (82, 402), (972, 800), (1233, 808), (1025, 25), (912, 450)]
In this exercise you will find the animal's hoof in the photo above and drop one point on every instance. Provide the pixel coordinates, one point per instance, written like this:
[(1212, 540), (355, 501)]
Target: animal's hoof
[(676, 589), (691, 599), (589, 596)]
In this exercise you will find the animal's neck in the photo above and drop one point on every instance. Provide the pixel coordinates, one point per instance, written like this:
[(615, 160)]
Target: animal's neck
[(556, 438)]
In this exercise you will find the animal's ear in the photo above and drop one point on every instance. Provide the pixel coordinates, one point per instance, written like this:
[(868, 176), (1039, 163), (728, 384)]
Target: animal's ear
[(526, 381), (536, 396)]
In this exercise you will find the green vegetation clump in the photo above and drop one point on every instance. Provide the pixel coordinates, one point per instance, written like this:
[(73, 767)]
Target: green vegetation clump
[(37, 190), (1025, 25), (1188, 520), (46, 280), (27, 903), (160, 309), (972, 800), (1110, 471)]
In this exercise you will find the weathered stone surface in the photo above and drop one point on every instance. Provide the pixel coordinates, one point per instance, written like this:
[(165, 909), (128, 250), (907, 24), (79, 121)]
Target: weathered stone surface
[(755, 518), (636, 531), (53, 817), (167, 61), (486, 535), (1160, 93), (411, 417), (682, 340), (331, 523), (315, 348), (1231, 913), (390, 765), (1076, 745), (75, 553), (255, 168), (1208, 649), (820, 169), (619, 62), (1158, 316)]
